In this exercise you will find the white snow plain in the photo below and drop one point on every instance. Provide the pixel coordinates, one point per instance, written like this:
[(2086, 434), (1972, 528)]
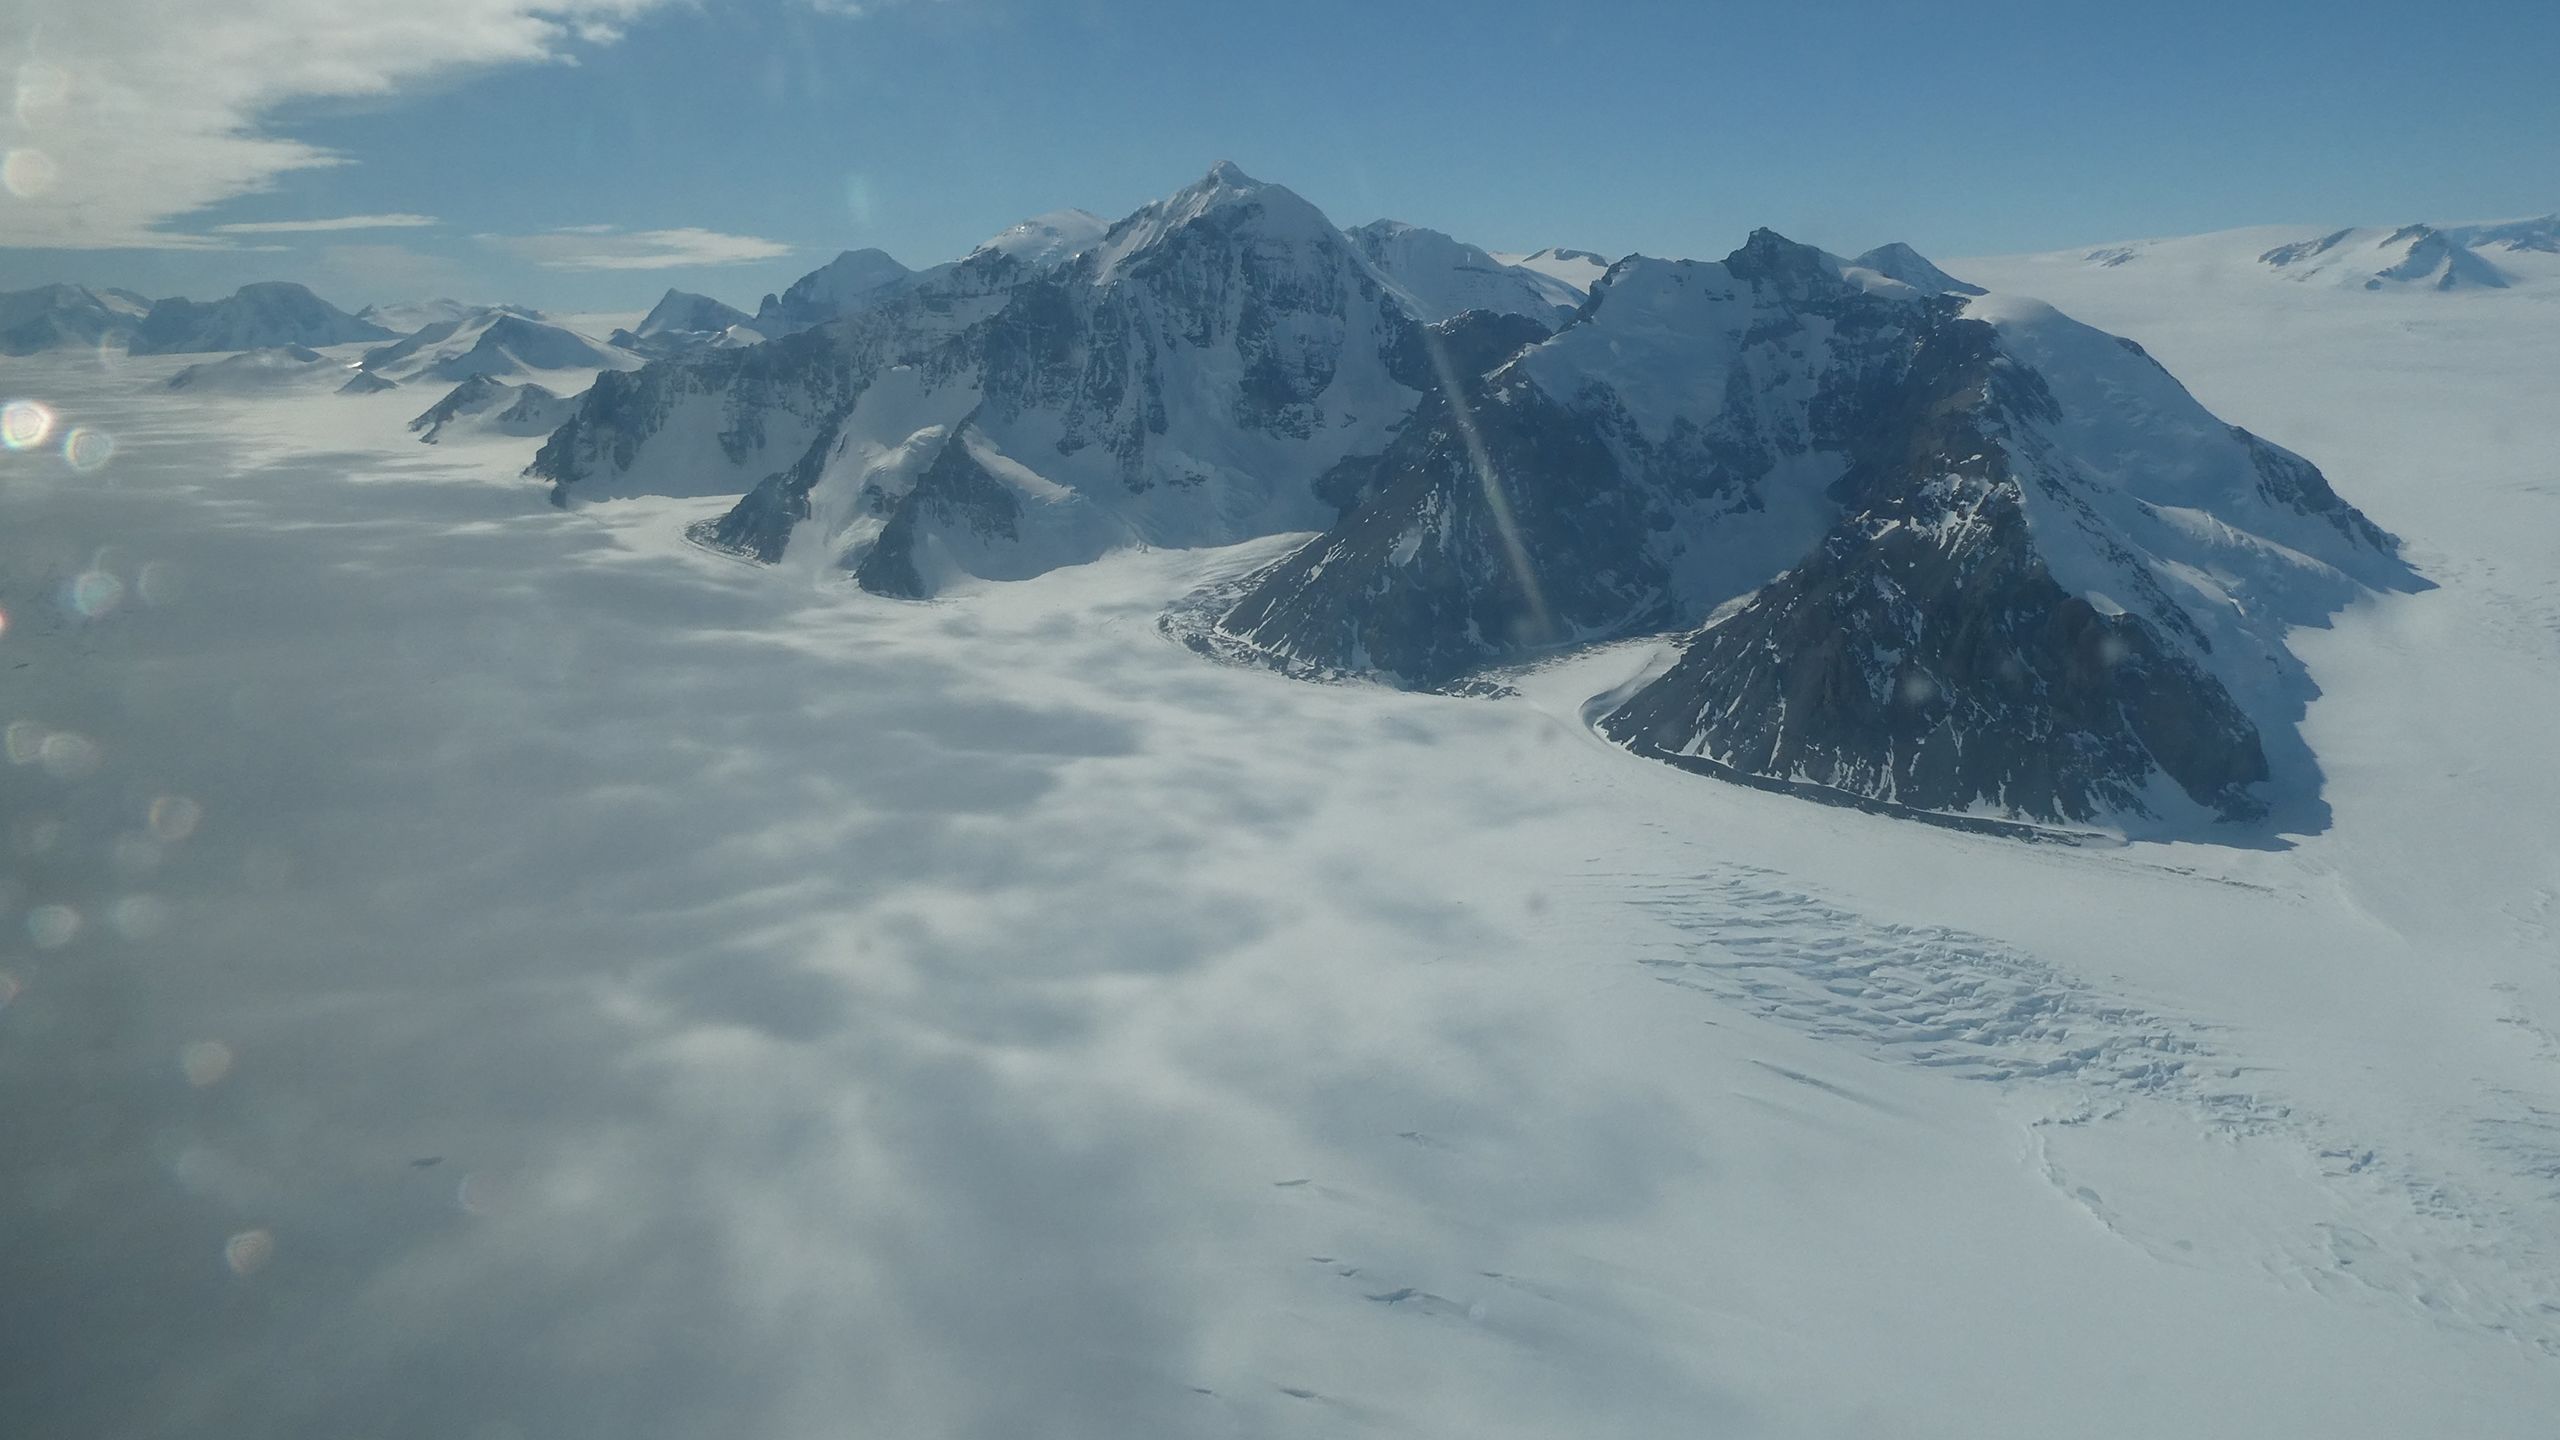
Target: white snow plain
[(480, 970)]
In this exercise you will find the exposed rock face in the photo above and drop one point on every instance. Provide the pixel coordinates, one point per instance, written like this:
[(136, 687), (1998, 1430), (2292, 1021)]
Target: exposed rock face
[(266, 315)]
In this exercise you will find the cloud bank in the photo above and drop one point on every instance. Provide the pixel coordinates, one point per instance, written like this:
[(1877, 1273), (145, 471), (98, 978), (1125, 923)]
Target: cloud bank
[(334, 223), (127, 114), (604, 247)]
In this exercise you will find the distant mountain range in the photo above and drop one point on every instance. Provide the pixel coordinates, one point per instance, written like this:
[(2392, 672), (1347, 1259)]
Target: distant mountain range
[(2441, 258)]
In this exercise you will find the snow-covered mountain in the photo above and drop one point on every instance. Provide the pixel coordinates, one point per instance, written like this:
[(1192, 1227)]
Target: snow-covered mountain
[(1445, 276), (57, 317), (1898, 261), (1052, 239), (272, 313), (2454, 259), (1187, 379), (404, 317), (499, 340), (1959, 554), (1578, 269), (267, 368), (843, 286), (485, 404), (685, 323), (2459, 257)]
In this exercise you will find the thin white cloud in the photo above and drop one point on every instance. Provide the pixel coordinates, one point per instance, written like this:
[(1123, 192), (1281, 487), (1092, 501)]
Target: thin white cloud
[(333, 223), (600, 247), (127, 114)]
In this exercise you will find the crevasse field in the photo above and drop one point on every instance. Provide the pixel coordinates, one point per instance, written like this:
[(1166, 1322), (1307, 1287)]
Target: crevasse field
[(477, 970)]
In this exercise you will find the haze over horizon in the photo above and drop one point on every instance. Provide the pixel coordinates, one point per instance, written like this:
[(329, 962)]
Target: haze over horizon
[(587, 154)]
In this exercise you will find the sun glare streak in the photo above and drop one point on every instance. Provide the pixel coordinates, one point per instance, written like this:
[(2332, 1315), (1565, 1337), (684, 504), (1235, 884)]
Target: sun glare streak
[(1495, 498)]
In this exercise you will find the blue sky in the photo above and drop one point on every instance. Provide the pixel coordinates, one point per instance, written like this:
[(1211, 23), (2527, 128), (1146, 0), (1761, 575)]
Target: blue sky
[(766, 135)]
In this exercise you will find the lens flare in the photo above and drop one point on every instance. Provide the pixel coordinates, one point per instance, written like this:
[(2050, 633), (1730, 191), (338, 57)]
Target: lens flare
[(24, 424), (95, 592), (248, 1252), (50, 927), (134, 856), (23, 742), (173, 818), (204, 1062), (4, 624), (480, 1195), (87, 450), (138, 917), (69, 756), (28, 172), (42, 90)]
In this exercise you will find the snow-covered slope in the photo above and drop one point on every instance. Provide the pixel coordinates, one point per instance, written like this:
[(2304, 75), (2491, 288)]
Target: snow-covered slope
[(487, 405), (1577, 269), (1445, 276), (407, 317), (1049, 240), (501, 341), (2461, 258), (263, 370), (2025, 575), (68, 317), (682, 323), (680, 311), (846, 285), (453, 949), (269, 314), (1898, 261)]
